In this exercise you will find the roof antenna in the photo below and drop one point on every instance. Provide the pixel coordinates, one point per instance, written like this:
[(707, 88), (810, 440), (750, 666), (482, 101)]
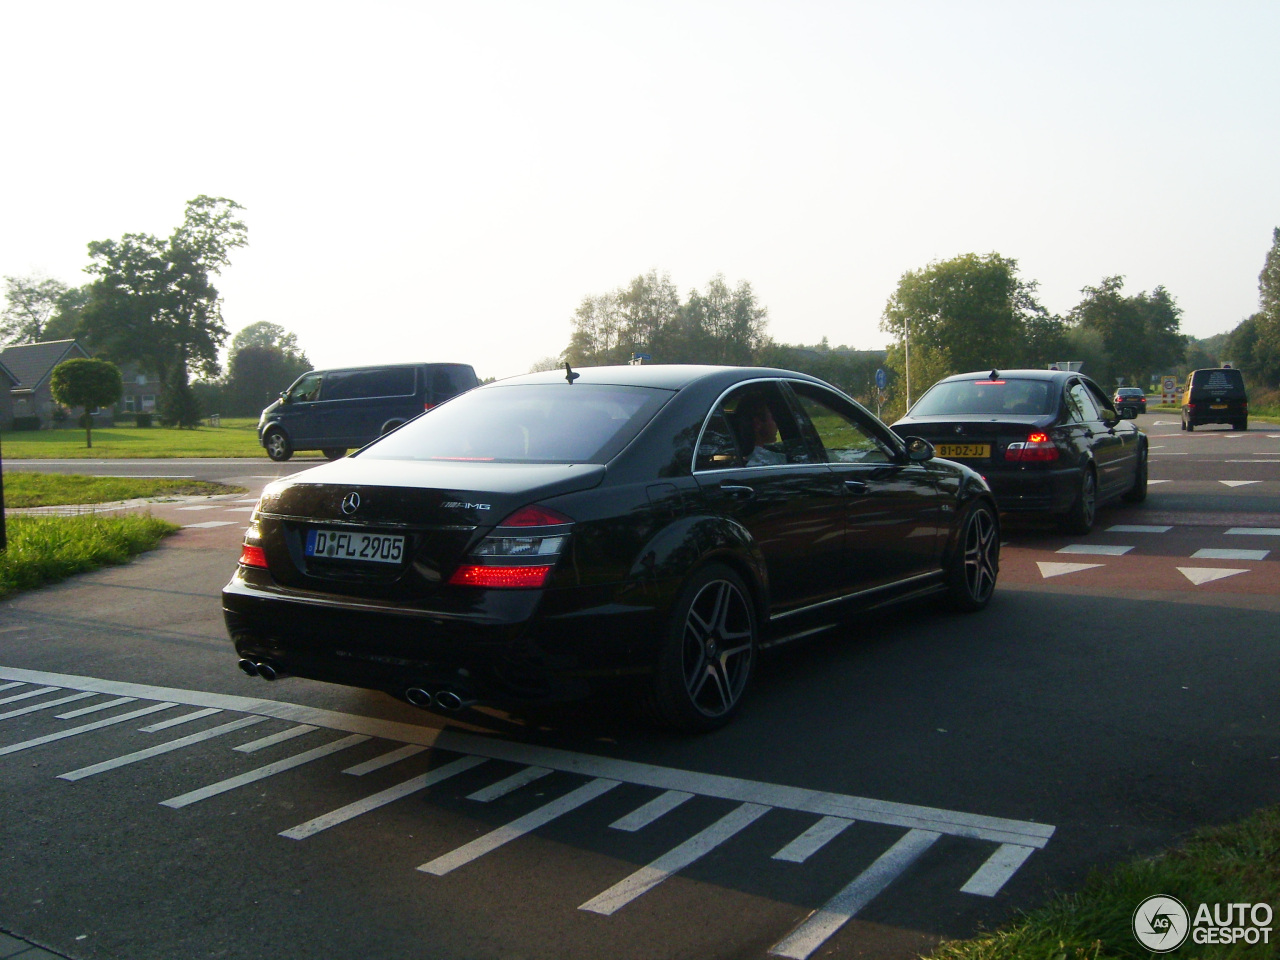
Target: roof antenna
[(995, 374), (569, 375)]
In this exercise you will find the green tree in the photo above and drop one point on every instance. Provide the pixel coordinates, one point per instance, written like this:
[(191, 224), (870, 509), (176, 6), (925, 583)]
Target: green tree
[(30, 303), (154, 302), (1140, 333), (86, 383), (974, 308), (262, 360), (1254, 345)]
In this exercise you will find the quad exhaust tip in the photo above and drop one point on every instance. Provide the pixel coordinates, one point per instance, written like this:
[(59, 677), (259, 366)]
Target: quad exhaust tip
[(443, 699), (261, 668)]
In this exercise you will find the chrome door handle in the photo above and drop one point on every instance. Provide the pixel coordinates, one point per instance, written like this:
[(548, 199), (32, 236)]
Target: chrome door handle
[(858, 487), (737, 492)]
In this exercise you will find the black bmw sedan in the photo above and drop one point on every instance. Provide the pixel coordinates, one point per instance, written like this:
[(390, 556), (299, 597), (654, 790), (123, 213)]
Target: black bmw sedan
[(660, 525), (1047, 441)]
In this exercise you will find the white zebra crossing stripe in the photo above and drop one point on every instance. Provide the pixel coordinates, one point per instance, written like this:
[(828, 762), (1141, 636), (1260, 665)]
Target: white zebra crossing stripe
[(23, 711), (815, 931), (161, 748), (380, 799), (1098, 549), (252, 776), (86, 728), (675, 860), (275, 738), (995, 873), (517, 828), (1210, 553), (510, 784), (644, 815), (814, 839)]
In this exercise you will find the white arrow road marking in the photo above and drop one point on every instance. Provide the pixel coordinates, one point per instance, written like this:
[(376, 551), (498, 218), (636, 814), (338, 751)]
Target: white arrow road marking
[(1101, 549), (517, 828), (1150, 482), (1199, 575), (675, 860), (995, 873), (1238, 483), (1048, 570), (815, 931)]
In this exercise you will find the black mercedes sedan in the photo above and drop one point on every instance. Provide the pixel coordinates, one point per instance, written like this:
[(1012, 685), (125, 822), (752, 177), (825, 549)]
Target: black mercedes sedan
[(1047, 441), (540, 536)]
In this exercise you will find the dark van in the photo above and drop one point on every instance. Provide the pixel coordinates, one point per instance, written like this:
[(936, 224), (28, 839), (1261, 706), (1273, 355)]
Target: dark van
[(335, 410), (1215, 395)]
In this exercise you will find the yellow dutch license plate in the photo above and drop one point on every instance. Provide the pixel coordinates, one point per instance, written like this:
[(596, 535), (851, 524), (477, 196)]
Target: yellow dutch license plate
[(1217, 406), (970, 450)]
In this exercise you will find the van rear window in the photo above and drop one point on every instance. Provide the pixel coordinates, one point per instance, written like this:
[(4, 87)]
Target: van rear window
[(1219, 383)]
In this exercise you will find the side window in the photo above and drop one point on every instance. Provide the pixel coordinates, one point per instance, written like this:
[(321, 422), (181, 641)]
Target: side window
[(761, 425), (1106, 409), (844, 436), (1080, 404), (718, 448), (306, 389)]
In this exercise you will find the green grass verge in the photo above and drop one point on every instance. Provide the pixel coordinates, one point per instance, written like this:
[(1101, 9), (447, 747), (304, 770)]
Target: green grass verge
[(44, 550), (235, 438), (23, 489), (1237, 863)]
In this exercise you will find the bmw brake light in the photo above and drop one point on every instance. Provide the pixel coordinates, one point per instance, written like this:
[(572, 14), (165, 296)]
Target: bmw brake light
[(1037, 448)]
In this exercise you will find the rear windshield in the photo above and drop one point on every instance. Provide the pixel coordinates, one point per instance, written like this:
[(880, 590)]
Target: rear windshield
[(1008, 397), (526, 423), (1129, 392), (1226, 383)]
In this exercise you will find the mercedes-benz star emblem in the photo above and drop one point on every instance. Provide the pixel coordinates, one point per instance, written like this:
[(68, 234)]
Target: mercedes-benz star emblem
[(351, 503)]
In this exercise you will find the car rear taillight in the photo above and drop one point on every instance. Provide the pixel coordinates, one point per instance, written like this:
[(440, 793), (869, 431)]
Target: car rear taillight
[(519, 553), (1037, 448), (251, 552)]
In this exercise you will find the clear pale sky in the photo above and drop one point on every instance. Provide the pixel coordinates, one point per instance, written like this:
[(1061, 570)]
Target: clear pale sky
[(447, 181)]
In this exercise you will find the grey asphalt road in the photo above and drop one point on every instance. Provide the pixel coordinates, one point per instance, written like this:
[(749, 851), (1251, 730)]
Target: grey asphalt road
[(895, 769)]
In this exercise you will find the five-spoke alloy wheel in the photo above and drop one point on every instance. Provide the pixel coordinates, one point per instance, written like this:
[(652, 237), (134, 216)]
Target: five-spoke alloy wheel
[(971, 576)]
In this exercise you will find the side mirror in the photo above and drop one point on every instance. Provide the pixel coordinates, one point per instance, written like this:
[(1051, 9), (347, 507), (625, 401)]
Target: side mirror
[(919, 449)]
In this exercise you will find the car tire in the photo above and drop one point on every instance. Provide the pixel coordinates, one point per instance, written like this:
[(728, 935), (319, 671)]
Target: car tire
[(975, 564), (1187, 425), (277, 445), (1079, 517), (708, 654), (334, 453), (1138, 492)]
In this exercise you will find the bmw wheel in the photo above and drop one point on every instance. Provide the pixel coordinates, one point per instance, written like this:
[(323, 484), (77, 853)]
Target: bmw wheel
[(973, 568), (1079, 518), (708, 656), (278, 446)]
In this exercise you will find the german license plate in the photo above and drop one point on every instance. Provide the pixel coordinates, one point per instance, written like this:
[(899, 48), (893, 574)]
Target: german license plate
[(971, 450), (1217, 406), (360, 547)]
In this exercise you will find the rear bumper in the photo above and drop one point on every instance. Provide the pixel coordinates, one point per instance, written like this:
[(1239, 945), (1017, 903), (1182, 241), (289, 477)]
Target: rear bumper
[(534, 646), (1232, 412), (1034, 491)]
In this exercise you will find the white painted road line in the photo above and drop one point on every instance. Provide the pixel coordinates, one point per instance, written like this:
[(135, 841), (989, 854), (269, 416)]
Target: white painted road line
[(86, 728), (160, 748), (1209, 553), (386, 760), (815, 931), (275, 738), (1099, 549), (995, 873), (1137, 528), (1242, 531), (84, 711), (30, 693), (510, 784), (1201, 575), (202, 506), (517, 828), (175, 721), (23, 711), (208, 525), (814, 839), (801, 799), (675, 860), (645, 814), (10, 686), (380, 799), (271, 769)]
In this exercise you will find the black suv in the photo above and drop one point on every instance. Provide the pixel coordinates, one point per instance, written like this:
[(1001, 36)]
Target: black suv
[(1215, 395)]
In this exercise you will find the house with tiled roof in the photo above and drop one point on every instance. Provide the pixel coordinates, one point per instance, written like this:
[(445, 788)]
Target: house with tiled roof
[(31, 365)]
